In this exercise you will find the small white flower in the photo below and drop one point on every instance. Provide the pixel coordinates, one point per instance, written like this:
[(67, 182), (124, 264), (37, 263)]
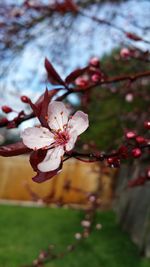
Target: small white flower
[(85, 223), (98, 226), (78, 236), (129, 97), (62, 136)]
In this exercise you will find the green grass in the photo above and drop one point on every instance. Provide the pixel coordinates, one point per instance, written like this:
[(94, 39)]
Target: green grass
[(25, 231)]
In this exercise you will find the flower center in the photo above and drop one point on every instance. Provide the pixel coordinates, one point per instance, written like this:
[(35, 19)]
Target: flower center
[(61, 137)]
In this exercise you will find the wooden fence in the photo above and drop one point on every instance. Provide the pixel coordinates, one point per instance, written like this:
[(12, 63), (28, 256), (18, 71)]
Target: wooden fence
[(16, 182)]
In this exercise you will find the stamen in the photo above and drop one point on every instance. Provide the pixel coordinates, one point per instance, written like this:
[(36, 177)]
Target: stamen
[(57, 122), (61, 138), (61, 113)]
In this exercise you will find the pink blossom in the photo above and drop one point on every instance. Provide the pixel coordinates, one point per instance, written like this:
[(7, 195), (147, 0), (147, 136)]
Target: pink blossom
[(85, 223), (129, 97), (125, 52), (59, 138)]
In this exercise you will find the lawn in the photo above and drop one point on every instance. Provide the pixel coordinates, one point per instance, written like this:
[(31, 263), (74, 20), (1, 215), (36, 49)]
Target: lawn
[(25, 231)]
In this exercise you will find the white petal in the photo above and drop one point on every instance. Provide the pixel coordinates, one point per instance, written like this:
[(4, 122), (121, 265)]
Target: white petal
[(72, 140), (52, 160), (37, 137), (79, 122), (58, 115)]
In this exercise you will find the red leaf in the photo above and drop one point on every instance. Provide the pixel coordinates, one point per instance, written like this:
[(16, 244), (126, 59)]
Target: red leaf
[(44, 106), (53, 76), (133, 36), (75, 74), (13, 150), (40, 108), (36, 109), (51, 93)]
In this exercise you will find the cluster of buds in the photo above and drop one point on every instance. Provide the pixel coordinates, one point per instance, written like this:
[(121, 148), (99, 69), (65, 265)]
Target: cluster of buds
[(113, 162), (133, 147), (126, 53), (137, 142), (4, 122), (92, 76), (95, 73)]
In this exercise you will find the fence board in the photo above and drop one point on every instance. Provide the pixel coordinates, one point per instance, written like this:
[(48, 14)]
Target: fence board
[(16, 173)]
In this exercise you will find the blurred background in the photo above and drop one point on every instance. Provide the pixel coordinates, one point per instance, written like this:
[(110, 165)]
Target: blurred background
[(29, 32)]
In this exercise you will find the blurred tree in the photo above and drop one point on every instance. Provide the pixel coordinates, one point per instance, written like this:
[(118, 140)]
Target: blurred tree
[(114, 108)]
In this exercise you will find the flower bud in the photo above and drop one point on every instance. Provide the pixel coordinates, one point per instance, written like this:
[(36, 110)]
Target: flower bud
[(85, 223), (86, 234), (124, 52), (96, 77), (136, 152), (130, 135), (94, 61), (98, 226), (78, 236), (110, 160), (147, 125), (24, 99), (123, 151), (6, 109), (3, 121), (140, 139), (133, 36), (81, 82), (114, 162), (92, 198), (42, 255), (148, 174), (129, 97)]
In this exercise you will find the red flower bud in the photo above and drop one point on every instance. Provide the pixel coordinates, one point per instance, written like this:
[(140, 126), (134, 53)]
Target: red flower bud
[(123, 151), (140, 139), (148, 174), (113, 162), (130, 135), (96, 77), (133, 36), (81, 82), (147, 125), (110, 160), (125, 52), (95, 62), (3, 121), (24, 99), (136, 152), (129, 97), (6, 109)]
